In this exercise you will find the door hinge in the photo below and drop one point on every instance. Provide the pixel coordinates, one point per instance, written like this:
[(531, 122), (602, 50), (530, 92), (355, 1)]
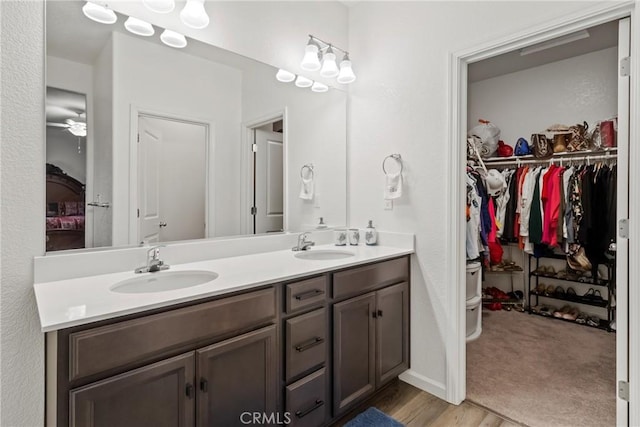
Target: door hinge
[(254, 148), (623, 390), (625, 66), (138, 213), (138, 137), (623, 228), (254, 210)]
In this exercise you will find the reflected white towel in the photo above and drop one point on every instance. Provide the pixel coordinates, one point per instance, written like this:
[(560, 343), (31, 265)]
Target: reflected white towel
[(306, 189), (393, 186)]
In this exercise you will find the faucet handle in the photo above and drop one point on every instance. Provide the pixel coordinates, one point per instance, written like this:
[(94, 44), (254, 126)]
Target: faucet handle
[(154, 251)]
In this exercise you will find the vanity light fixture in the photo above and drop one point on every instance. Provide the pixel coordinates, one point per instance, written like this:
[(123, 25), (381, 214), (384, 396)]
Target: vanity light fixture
[(160, 6), (319, 87), (346, 74), (139, 27), (194, 15), (285, 76), (319, 55), (329, 66), (99, 13), (173, 39), (302, 81), (311, 59)]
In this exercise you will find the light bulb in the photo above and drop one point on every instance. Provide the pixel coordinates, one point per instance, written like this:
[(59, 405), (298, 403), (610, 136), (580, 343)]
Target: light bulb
[(285, 76), (302, 81), (160, 6), (346, 75), (173, 39), (99, 13), (329, 67), (311, 61), (139, 27), (193, 15), (319, 87)]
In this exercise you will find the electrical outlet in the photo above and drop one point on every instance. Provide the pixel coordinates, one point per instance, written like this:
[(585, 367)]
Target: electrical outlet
[(388, 205)]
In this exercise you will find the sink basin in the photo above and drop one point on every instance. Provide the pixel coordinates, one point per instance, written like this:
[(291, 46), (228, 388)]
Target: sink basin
[(163, 281), (324, 254)]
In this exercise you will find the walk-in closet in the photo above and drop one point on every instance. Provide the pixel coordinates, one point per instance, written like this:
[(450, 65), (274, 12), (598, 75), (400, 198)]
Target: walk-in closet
[(546, 180)]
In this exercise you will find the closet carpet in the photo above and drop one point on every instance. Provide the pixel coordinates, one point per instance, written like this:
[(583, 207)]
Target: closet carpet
[(543, 372)]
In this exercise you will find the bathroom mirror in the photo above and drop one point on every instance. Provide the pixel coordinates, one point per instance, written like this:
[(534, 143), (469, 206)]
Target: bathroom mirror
[(183, 144)]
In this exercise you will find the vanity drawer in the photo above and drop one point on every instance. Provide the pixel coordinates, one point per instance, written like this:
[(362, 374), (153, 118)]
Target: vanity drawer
[(305, 293), (363, 279), (112, 346), (306, 345), (305, 400)]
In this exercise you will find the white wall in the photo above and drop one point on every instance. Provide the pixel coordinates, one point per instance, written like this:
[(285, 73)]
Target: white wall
[(315, 133), (582, 88), (158, 79), (398, 104), (21, 210)]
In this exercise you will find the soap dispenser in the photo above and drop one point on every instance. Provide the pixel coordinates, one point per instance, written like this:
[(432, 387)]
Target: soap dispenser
[(370, 234)]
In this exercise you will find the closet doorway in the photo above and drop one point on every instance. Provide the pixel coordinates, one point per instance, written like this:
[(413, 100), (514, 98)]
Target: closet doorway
[(464, 105)]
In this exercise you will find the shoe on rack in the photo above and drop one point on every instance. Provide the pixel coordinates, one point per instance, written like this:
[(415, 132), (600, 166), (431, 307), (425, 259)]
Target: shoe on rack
[(561, 313), (572, 314), (581, 318), (593, 321), (545, 310)]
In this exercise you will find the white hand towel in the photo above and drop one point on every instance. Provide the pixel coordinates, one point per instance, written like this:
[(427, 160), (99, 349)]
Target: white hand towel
[(393, 186), (306, 189)]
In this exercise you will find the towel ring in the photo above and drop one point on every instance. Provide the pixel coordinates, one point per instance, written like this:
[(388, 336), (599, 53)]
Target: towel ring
[(308, 166), (397, 158)]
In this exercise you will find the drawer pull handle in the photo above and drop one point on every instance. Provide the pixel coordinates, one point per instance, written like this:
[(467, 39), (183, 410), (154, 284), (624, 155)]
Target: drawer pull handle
[(189, 390), (310, 294), (306, 412), (204, 385), (309, 344)]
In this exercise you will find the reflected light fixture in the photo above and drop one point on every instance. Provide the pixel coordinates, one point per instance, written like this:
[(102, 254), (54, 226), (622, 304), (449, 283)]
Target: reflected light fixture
[(173, 39), (99, 13), (319, 87), (319, 55), (285, 76), (194, 15), (139, 27), (302, 81), (329, 66), (346, 74), (311, 59), (160, 6)]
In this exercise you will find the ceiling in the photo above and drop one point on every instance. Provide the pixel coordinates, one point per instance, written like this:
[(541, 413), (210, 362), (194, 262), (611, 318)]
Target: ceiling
[(600, 37), (63, 104)]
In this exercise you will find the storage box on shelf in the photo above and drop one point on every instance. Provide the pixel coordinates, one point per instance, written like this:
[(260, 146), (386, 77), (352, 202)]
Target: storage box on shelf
[(554, 290), (474, 301)]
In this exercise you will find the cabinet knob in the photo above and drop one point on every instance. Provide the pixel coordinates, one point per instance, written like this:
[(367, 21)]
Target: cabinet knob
[(189, 390), (204, 385)]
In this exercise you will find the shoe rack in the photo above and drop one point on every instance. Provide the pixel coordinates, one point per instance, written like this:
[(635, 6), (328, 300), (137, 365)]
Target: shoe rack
[(560, 281)]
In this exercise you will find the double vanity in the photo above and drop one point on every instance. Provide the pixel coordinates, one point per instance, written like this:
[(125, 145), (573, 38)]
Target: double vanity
[(278, 337)]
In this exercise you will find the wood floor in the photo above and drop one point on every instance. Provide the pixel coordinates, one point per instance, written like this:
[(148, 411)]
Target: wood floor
[(414, 407)]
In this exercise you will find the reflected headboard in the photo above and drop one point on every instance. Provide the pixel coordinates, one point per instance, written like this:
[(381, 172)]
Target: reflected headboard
[(65, 211)]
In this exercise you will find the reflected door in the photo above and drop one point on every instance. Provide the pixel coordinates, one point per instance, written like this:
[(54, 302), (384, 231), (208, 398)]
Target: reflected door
[(171, 179), (268, 183)]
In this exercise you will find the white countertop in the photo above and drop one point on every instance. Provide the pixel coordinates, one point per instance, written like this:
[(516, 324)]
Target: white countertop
[(78, 301)]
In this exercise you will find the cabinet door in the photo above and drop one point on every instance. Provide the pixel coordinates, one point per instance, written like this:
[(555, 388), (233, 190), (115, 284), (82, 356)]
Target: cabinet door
[(353, 350), (161, 394), (237, 378), (392, 332)]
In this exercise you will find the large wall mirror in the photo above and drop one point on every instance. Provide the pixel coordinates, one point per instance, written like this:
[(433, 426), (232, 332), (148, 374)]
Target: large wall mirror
[(150, 143)]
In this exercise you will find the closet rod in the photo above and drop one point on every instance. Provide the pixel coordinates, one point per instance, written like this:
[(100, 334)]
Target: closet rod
[(556, 160)]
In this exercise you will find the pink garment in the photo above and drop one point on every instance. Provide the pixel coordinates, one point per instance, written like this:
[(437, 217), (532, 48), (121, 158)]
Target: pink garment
[(551, 203)]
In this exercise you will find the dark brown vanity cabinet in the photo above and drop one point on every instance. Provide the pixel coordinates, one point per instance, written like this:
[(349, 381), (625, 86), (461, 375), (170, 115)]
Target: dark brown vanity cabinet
[(370, 331), (287, 352)]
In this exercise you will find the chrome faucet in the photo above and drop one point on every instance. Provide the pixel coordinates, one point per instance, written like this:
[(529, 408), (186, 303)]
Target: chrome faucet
[(154, 263), (303, 243)]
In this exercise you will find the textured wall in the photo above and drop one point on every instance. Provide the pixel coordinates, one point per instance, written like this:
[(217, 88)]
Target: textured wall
[(22, 226), (400, 51)]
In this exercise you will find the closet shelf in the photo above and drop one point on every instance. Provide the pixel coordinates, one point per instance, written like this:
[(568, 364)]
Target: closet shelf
[(504, 271), (577, 300), (604, 325), (600, 282), (501, 301), (613, 151)]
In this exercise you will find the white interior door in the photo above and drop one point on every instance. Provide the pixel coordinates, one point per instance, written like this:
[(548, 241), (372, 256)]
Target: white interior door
[(268, 184), (172, 179), (622, 255)]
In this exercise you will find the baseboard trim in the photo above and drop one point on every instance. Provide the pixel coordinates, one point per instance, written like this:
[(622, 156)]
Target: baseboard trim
[(423, 383)]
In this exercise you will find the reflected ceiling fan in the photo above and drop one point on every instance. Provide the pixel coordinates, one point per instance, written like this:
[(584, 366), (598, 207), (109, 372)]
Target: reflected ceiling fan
[(75, 127)]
